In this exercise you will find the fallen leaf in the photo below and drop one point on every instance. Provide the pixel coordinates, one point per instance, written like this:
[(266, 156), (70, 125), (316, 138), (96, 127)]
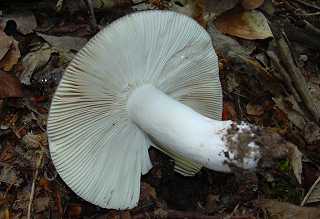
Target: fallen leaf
[(295, 158), (312, 132), (44, 183), (4, 213), (246, 24), (9, 176), (41, 204), (212, 203), (147, 194), (224, 43), (34, 61), (64, 42), (229, 112), (11, 57), (9, 86), (5, 44), (282, 210), (254, 109), (26, 21), (251, 4), (35, 140), (290, 106), (74, 210)]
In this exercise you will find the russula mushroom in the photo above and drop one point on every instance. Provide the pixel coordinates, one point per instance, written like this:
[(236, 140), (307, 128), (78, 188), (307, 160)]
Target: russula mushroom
[(149, 78)]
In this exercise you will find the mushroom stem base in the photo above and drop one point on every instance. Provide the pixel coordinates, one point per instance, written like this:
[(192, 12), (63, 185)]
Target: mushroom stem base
[(179, 128)]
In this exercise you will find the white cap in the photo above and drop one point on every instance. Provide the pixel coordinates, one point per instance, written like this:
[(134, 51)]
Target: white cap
[(96, 149)]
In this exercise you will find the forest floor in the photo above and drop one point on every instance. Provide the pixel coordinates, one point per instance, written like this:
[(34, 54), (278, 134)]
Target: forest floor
[(269, 59)]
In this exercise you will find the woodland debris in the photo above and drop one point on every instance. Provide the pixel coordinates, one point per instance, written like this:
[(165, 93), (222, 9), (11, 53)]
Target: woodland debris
[(9, 86), (275, 209), (244, 24)]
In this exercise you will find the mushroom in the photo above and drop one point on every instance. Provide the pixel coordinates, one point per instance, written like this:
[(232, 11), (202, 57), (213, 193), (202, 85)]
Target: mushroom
[(148, 78)]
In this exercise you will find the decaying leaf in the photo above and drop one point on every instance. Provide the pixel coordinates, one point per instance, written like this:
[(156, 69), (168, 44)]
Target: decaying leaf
[(147, 194), (229, 112), (35, 140), (11, 57), (5, 44), (34, 61), (290, 106), (64, 42), (9, 176), (41, 204), (246, 24), (26, 21), (9, 86), (74, 210), (283, 210), (254, 109), (312, 132), (295, 158), (251, 4)]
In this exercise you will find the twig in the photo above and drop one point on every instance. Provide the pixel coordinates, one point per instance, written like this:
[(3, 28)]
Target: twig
[(297, 77), (310, 191), (311, 27), (38, 163), (309, 14), (285, 77), (307, 4), (93, 21)]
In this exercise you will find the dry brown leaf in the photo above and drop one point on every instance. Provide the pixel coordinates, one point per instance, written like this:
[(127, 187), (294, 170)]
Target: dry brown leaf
[(246, 24), (229, 112), (11, 57), (41, 204), (254, 109), (4, 213), (147, 194), (9, 86), (74, 210), (251, 4), (35, 140), (290, 106), (5, 44), (283, 210), (9, 176)]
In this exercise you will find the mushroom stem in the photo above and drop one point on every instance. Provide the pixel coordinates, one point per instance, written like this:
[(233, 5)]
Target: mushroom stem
[(179, 128)]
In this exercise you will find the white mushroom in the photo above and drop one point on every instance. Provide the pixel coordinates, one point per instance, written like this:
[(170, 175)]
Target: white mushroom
[(149, 78)]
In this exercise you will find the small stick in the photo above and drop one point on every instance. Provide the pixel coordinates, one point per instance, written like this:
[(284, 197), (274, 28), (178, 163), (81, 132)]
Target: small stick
[(38, 163), (307, 4), (310, 191), (93, 21)]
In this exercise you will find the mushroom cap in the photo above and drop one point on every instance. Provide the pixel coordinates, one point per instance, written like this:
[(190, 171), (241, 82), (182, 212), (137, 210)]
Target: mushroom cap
[(97, 150)]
